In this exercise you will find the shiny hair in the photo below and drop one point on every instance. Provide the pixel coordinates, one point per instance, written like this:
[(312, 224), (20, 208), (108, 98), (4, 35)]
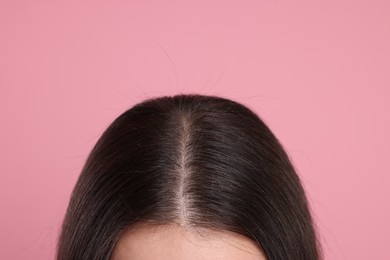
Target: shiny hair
[(201, 161)]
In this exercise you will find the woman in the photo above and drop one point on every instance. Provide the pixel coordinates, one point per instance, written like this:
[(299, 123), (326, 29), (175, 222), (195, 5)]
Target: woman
[(188, 177)]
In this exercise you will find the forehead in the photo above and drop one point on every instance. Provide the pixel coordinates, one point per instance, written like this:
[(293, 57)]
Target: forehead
[(172, 242)]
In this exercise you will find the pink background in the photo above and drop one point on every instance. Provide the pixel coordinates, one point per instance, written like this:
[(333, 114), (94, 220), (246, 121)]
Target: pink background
[(317, 72)]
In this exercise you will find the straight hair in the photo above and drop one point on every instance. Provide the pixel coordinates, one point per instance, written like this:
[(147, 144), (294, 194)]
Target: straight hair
[(199, 160)]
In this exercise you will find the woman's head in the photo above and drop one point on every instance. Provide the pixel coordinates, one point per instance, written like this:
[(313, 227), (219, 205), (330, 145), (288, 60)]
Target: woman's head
[(204, 164)]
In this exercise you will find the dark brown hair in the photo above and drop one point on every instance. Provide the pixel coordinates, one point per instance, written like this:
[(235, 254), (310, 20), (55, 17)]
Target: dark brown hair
[(203, 161)]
